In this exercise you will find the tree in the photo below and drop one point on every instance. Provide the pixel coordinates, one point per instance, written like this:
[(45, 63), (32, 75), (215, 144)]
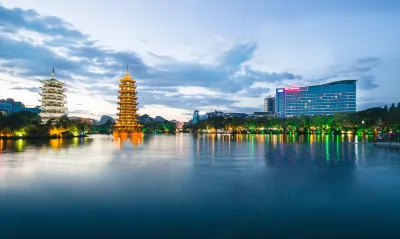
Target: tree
[(392, 108), (63, 122), (385, 108)]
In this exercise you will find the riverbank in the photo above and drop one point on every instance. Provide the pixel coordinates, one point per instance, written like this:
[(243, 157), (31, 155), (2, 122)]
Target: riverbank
[(42, 137), (285, 133)]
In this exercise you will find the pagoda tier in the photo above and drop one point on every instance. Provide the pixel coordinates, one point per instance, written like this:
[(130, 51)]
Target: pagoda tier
[(53, 99), (127, 107)]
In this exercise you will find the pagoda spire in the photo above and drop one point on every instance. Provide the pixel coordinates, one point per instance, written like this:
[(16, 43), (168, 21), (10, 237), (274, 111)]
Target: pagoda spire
[(52, 73), (127, 70)]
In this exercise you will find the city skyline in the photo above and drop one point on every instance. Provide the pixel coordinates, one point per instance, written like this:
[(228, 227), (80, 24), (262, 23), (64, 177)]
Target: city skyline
[(182, 64)]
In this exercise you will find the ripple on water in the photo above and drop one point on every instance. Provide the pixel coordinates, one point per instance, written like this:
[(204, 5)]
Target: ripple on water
[(198, 187)]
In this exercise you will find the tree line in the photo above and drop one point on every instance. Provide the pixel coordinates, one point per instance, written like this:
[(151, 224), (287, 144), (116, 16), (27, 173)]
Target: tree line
[(373, 120), (27, 124), (159, 127)]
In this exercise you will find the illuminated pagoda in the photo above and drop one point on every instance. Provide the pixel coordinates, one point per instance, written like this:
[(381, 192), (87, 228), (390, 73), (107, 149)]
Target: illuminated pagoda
[(127, 121), (53, 99)]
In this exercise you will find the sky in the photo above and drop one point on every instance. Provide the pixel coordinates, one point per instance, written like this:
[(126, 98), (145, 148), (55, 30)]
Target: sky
[(197, 54)]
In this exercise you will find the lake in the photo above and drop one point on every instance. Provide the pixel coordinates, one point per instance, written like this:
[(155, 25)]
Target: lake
[(206, 186)]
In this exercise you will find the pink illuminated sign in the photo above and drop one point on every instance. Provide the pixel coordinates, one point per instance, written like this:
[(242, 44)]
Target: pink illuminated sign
[(292, 89)]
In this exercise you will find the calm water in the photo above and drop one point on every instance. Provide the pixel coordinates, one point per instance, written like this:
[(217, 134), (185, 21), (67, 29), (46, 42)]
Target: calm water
[(213, 186)]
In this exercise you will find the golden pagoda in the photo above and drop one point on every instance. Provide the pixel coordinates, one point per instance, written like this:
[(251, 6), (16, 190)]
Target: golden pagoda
[(127, 107)]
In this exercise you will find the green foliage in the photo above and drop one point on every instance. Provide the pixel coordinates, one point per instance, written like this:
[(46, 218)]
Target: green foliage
[(29, 124), (105, 128), (159, 127), (366, 121)]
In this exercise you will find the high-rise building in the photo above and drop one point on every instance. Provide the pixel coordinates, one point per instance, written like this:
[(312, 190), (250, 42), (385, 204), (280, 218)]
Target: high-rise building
[(325, 99), (53, 99), (196, 117), (269, 104), (127, 121)]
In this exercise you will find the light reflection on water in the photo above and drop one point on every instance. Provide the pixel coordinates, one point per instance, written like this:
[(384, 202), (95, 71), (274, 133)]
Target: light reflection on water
[(204, 186)]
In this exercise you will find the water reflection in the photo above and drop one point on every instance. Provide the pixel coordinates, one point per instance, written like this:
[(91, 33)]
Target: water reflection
[(321, 149), (135, 139), (239, 184), (21, 145)]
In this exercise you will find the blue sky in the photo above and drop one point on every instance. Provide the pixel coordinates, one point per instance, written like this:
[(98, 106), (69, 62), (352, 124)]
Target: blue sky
[(206, 55)]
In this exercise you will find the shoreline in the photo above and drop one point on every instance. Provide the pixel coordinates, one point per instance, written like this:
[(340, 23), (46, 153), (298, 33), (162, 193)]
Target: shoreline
[(174, 133), (41, 137), (296, 133)]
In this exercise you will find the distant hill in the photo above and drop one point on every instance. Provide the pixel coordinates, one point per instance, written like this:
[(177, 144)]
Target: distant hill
[(159, 119), (104, 120)]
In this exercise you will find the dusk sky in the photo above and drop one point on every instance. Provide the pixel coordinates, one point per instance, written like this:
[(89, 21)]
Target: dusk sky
[(197, 54)]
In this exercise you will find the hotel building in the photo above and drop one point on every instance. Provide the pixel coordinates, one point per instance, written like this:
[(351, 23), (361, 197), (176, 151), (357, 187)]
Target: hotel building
[(325, 99)]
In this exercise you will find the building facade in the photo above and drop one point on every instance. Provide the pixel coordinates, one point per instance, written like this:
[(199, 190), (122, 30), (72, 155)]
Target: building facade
[(325, 99), (216, 113), (196, 117), (8, 106), (235, 115), (269, 104), (261, 115)]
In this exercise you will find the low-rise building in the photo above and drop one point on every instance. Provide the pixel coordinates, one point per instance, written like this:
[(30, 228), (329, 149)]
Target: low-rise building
[(9, 105), (261, 114), (235, 115), (214, 114)]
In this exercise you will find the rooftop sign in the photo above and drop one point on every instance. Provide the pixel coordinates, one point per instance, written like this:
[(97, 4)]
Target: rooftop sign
[(296, 88)]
